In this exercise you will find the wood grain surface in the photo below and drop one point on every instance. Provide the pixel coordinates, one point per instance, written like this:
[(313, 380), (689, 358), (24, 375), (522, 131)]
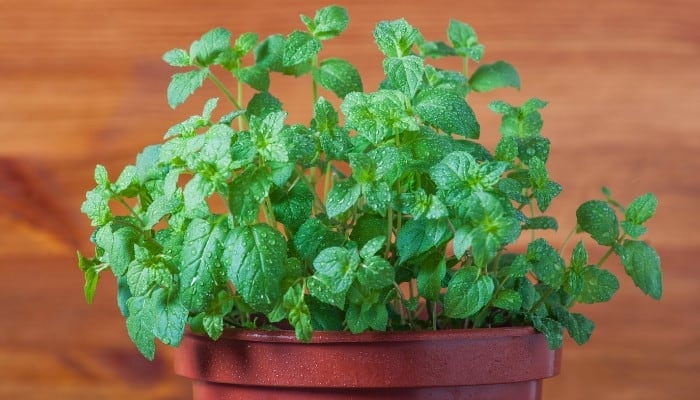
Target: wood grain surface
[(81, 82)]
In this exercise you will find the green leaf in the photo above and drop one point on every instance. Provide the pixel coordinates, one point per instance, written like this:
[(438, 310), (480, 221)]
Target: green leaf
[(467, 293), (643, 265), (205, 50), (177, 58), (328, 23), (405, 73), (579, 257), (541, 222), (92, 274), (546, 263), (419, 205), (447, 111), (184, 84), (263, 103), (117, 241), (632, 229), (378, 115), (518, 268), (139, 324), (342, 196), (493, 76), (464, 40), (147, 272), (375, 273), (641, 209), (552, 330), (299, 48), (417, 237), (255, 257), (338, 76), (202, 268), (598, 219), (597, 285), (171, 317), (429, 279), (245, 43), (254, 76), (96, 206), (367, 228), (335, 271), (292, 207), (395, 38), (508, 300), (579, 327), (312, 237), (371, 247), (247, 192)]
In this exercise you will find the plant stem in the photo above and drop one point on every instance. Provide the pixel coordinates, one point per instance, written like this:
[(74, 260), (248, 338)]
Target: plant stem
[(465, 63), (566, 241), (223, 89)]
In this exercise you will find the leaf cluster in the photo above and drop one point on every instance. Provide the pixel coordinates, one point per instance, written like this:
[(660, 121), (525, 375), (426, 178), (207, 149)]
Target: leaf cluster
[(384, 212)]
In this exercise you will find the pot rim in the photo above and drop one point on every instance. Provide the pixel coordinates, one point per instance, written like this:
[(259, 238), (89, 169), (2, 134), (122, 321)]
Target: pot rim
[(319, 337)]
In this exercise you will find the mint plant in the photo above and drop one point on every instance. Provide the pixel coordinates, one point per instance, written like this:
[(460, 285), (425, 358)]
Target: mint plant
[(384, 212)]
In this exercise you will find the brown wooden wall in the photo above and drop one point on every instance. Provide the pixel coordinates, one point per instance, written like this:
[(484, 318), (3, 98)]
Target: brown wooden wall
[(81, 82)]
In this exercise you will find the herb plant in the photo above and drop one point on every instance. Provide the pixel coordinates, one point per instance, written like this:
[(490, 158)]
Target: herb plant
[(384, 212)]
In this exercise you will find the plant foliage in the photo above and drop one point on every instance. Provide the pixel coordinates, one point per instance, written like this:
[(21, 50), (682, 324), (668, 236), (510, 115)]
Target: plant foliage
[(382, 213)]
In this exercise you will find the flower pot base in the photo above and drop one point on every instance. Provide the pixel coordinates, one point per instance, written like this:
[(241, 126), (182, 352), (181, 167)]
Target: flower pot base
[(530, 390)]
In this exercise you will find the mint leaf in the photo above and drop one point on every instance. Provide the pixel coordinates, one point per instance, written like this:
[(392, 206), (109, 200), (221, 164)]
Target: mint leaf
[(467, 293), (464, 40), (313, 236), (299, 48), (205, 50), (508, 300), (328, 22), (579, 327), (429, 279), (416, 237), (597, 285), (579, 257), (184, 84), (420, 205), (117, 242), (598, 219), (395, 38), (447, 111), (254, 76), (338, 76), (171, 317), (541, 222), (375, 272), (641, 209), (177, 58), (255, 257), (335, 270), (202, 268), (90, 268), (139, 324), (552, 330), (342, 196), (245, 43), (643, 265), (493, 76), (546, 263), (405, 73), (292, 207), (247, 192)]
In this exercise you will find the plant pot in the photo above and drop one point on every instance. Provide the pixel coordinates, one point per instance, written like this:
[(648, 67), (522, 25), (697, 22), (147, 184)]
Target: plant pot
[(483, 364)]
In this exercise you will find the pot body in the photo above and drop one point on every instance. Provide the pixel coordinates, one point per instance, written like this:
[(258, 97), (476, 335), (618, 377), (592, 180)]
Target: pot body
[(479, 364)]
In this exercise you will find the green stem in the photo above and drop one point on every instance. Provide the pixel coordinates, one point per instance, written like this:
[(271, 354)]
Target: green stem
[(566, 241), (239, 86), (465, 63), (224, 89), (314, 85)]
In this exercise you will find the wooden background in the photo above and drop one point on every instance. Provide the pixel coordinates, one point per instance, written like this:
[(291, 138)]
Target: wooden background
[(81, 82)]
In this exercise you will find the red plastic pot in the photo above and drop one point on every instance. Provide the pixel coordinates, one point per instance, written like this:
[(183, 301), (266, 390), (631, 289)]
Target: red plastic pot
[(479, 364)]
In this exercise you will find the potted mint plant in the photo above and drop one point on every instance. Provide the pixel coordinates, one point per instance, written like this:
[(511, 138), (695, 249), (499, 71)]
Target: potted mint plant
[(382, 226)]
